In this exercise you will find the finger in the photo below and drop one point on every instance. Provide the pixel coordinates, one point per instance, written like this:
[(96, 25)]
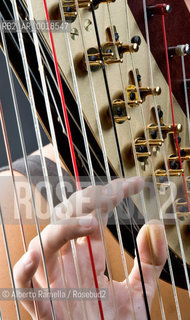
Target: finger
[(54, 237), (152, 251), (103, 198), (23, 272)]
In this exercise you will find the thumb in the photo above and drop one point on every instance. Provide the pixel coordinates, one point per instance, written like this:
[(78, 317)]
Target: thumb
[(152, 251), (23, 272)]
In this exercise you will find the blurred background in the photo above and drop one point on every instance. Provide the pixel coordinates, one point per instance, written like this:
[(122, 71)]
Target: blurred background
[(10, 119)]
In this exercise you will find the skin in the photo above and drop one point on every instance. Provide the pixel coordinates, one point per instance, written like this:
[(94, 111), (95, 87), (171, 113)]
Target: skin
[(82, 221)]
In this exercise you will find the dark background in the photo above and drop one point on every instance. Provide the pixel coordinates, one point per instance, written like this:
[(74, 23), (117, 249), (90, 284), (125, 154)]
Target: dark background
[(10, 119)]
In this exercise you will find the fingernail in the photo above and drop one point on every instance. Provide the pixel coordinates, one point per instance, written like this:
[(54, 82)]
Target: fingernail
[(87, 221), (138, 181), (26, 259)]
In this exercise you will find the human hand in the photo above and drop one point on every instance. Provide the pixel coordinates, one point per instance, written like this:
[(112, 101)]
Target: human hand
[(55, 238)]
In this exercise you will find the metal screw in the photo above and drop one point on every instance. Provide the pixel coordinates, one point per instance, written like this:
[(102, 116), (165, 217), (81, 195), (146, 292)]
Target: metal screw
[(74, 33)]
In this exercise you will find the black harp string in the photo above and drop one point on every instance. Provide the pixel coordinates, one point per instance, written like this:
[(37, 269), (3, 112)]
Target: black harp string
[(107, 170), (91, 147), (10, 265), (142, 197), (46, 64), (120, 158)]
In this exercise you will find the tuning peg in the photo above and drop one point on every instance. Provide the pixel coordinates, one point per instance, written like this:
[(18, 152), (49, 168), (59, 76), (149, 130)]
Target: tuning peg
[(119, 114), (136, 39), (180, 50), (174, 160), (161, 173), (134, 99), (181, 209), (166, 129), (141, 150), (158, 9), (111, 46), (119, 111), (70, 11), (94, 59)]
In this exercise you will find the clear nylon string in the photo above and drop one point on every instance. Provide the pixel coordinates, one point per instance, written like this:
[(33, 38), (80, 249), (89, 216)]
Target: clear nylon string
[(167, 171), (107, 171), (24, 152), (119, 156), (141, 195), (37, 130), (186, 94), (91, 171), (10, 265), (164, 155), (169, 261), (58, 164)]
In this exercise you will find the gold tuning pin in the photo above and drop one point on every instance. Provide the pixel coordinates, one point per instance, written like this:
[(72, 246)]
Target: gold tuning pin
[(70, 11), (134, 99), (151, 142), (113, 44), (165, 128), (181, 209), (161, 174), (119, 111), (138, 96), (119, 114), (141, 150), (174, 159), (94, 59)]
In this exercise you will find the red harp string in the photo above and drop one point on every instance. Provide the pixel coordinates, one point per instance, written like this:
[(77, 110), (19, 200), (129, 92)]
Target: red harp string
[(74, 163), (172, 107)]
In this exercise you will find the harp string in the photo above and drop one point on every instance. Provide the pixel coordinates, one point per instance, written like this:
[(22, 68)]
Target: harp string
[(52, 129), (186, 94), (72, 149), (46, 63), (119, 156), (85, 138), (102, 143), (37, 130), (106, 171), (58, 163), (10, 266), (178, 151), (153, 176), (142, 199), (172, 113), (177, 146), (88, 63), (166, 166), (151, 163), (25, 160), (17, 203)]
